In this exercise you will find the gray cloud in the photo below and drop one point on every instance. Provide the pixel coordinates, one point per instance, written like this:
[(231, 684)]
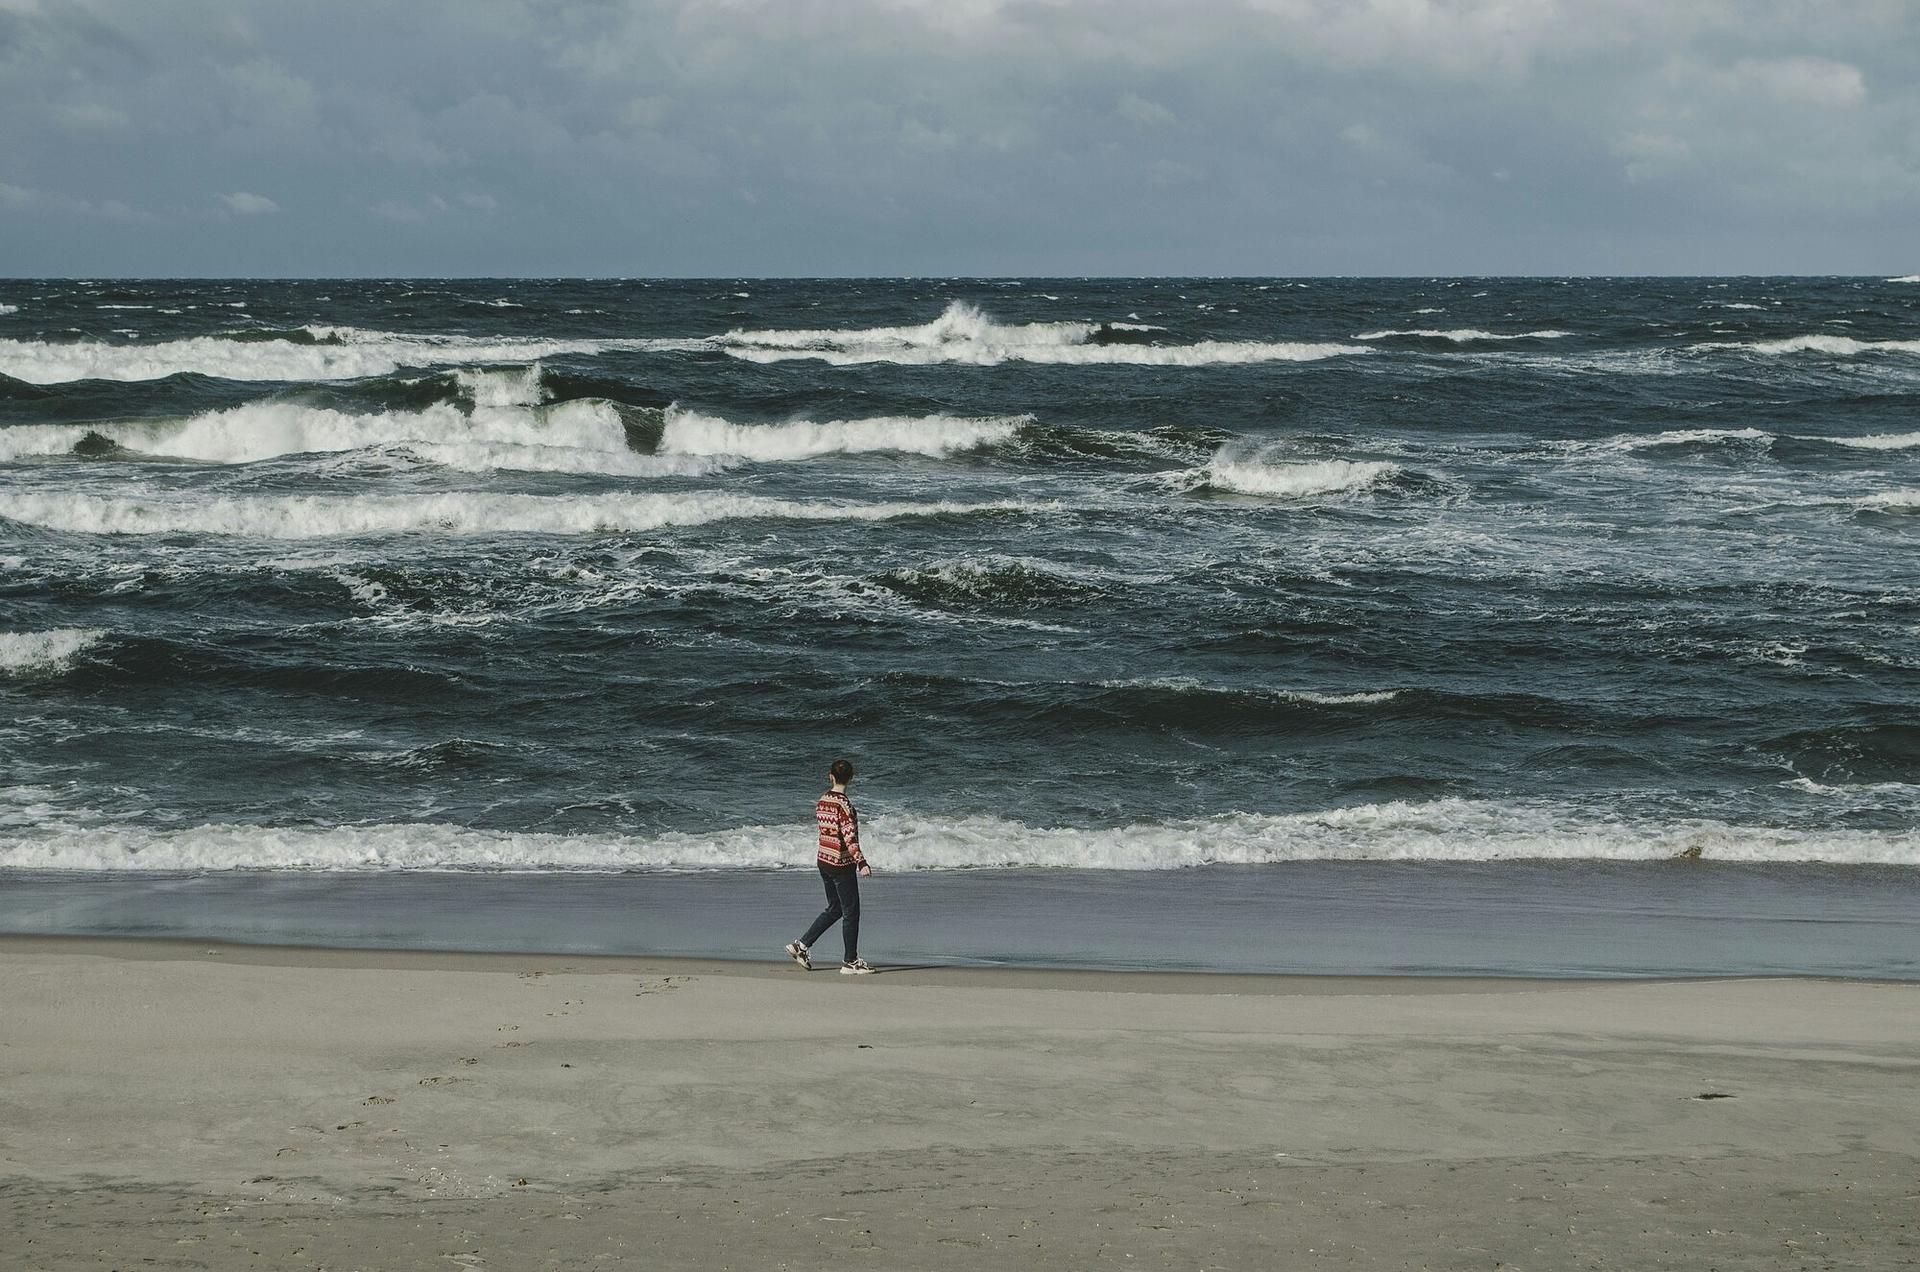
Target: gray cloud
[(241, 203), (958, 136)]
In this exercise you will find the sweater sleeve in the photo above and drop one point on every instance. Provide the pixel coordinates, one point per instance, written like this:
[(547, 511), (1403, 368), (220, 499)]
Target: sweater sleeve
[(850, 835)]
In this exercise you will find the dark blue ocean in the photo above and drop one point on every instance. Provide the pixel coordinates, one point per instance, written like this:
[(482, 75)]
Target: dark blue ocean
[(1128, 594)]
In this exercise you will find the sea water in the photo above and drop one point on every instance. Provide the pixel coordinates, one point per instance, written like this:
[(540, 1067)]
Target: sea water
[(1153, 599)]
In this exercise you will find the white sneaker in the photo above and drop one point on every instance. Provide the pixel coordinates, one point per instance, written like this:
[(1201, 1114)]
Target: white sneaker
[(798, 953), (856, 968)]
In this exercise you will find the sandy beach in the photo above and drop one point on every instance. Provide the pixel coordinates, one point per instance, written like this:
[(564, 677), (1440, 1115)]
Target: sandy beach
[(198, 1106)]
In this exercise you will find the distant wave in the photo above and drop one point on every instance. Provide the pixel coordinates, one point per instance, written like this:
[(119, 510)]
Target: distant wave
[(582, 436), (1314, 697), (43, 653), (1674, 437), (1838, 346), (1443, 830), (1463, 335), (1709, 437), (1295, 480), (1906, 278), (460, 513), (8, 309), (693, 433), (1876, 441), (506, 428), (314, 353), (1891, 501), (965, 335)]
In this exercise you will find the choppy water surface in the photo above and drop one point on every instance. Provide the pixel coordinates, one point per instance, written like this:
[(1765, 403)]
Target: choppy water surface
[(1137, 574)]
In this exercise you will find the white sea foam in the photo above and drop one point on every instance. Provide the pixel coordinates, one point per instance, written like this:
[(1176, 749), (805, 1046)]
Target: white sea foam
[(583, 436), (1673, 437), (1836, 346), (1362, 699), (502, 386), (692, 433), (1875, 441), (1854, 790), (1461, 335), (1906, 278), (506, 431), (965, 335), (458, 513), (1442, 830), (9, 309), (341, 353), (43, 653), (1714, 436), (1891, 501), (1193, 684), (1295, 480)]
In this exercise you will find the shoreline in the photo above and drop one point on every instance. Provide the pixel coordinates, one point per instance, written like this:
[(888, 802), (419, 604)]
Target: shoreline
[(1528, 920), (932, 975), (229, 1107)]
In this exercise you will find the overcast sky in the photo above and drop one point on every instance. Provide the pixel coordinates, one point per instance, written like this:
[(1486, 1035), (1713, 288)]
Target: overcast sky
[(757, 137)]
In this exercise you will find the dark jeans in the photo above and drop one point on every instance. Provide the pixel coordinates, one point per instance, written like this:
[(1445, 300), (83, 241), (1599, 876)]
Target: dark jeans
[(843, 907)]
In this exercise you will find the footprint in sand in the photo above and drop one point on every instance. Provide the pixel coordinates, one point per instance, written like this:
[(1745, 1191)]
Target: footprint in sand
[(442, 1080)]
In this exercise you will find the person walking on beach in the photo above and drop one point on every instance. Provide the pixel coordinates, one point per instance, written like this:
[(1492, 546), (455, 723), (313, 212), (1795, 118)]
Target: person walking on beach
[(841, 867)]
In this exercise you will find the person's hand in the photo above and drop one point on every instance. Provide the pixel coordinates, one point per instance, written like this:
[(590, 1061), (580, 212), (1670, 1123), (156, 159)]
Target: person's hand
[(866, 872)]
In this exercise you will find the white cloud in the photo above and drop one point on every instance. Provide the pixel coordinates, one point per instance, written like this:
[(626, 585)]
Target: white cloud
[(1809, 81), (15, 198), (88, 117), (1138, 110), (240, 203), (1648, 155)]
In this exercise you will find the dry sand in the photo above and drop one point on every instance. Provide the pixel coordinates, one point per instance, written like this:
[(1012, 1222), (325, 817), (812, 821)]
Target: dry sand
[(194, 1106)]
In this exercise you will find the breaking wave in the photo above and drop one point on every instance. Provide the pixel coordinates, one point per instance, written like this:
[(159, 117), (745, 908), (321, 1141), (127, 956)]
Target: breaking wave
[(965, 335), (1463, 335), (1877, 441), (314, 353), (506, 427), (1296, 480), (1447, 830), (1836, 346), (577, 436), (43, 653), (1890, 501), (459, 513), (692, 433), (1679, 437), (1709, 438)]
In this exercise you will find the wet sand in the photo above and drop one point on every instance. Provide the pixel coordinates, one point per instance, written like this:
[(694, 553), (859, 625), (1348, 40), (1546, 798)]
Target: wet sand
[(200, 1106)]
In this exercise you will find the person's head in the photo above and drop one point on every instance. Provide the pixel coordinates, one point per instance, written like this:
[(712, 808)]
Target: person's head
[(841, 772)]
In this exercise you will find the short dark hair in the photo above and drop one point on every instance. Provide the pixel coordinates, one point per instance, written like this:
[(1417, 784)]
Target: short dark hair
[(841, 771)]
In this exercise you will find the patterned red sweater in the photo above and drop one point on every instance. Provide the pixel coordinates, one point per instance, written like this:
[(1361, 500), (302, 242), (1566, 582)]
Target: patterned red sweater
[(839, 831)]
